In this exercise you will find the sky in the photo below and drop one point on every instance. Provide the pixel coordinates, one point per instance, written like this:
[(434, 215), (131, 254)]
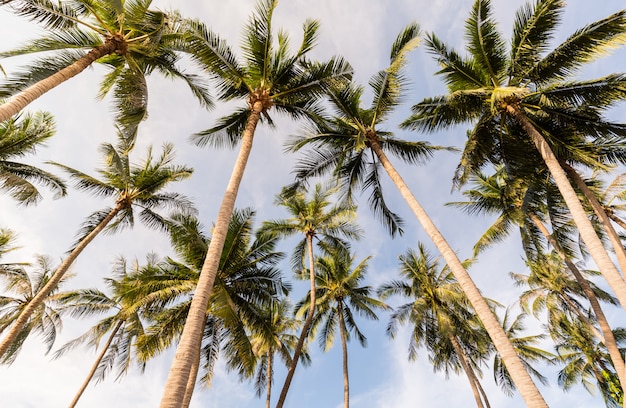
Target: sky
[(360, 30)]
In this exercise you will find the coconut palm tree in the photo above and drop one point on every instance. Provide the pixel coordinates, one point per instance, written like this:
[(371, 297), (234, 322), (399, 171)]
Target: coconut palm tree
[(530, 90), (133, 187), (523, 203), (441, 317), (586, 360), (317, 219), (352, 147), (121, 328), (275, 337), (126, 36), (20, 288), (340, 295), (18, 137), (270, 77), (248, 281)]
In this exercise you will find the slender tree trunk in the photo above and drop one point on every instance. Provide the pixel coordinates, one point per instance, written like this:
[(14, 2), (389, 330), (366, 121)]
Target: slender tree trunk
[(617, 220), (270, 362), (471, 376), (18, 102), (191, 383), (305, 328), (616, 242), (525, 385), (607, 334), (579, 215), (482, 391), (95, 365), (49, 287), (188, 350), (344, 350)]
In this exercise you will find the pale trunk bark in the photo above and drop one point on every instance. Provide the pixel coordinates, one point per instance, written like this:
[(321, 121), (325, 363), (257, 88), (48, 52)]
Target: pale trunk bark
[(579, 215), (344, 350), (471, 376), (18, 102), (191, 383), (270, 362), (188, 350), (607, 334), (525, 385), (604, 219), (618, 220), (56, 277), (305, 327), (95, 365)]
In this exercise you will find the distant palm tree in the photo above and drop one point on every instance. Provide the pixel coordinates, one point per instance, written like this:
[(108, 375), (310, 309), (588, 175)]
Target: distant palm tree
[(316, 218), (44, 319), (270, 77), (340, 295), (132, 187), (121, 328), (18, 137), (441, 318), (274, 337), (126, 36)]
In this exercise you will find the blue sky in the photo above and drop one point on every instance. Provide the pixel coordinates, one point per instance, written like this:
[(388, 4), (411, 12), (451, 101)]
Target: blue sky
[(362, 31)]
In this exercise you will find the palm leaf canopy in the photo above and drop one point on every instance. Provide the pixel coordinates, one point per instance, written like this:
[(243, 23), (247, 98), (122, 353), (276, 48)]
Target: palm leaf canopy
[(19, 137), (340, 145), (569, 112), (268, 72), (144, 42)]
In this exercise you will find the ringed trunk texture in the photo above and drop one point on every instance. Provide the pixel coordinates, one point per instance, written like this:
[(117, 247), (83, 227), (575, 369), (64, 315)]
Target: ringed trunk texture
[(607, 334), (95, 365), (305, 328), (191, 383), (344, 350), (188, 351), (579, 215), (471, 376), (28, 95), (56, 277), (525, 385), (598, 209)]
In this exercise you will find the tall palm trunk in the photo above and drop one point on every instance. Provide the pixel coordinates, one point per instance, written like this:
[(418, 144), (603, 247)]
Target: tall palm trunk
[(579, 215), (607, 334), (344, 349), (28, 95), (471, 375), (95, 365), (305, 328), (51, 285), (191, 383), (598, 209), (525, 385), (270, 363), (188, 351)]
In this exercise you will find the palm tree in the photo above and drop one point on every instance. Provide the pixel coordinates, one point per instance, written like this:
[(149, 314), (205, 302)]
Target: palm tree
[(122, 327), (522, 202), (316, 219), (269, 77), (44, 319), (353, 148), (247, 283), (276, 337), (526, 104), (19, 137), (586, 360), (441, 317), (132, 187), (340, 295), (126, 36)]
